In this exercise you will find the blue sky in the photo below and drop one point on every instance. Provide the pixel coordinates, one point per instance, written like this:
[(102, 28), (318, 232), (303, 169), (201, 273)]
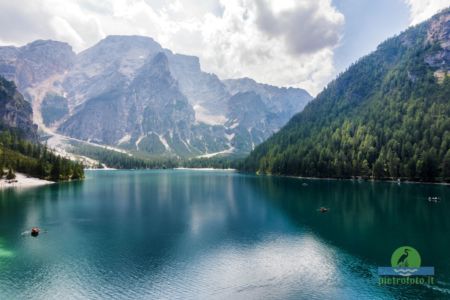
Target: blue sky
[(301, 43), (367, 24)]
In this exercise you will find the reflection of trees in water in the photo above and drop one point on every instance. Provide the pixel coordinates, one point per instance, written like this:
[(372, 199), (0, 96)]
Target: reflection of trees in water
[(175, 215), (368, 219)]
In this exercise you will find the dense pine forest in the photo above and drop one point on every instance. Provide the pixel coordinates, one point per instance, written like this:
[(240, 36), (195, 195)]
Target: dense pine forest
[(114, 159), (219, 162), (118, 160), (34, 159), (386, 117)]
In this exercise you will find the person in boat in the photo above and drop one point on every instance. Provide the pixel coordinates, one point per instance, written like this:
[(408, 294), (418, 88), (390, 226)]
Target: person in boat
[(35, 231), (323, 209), (434, 199)]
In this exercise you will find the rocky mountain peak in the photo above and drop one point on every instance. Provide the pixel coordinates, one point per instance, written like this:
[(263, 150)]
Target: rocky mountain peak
[(46, 48), (124, 54), (114, 47), (15, 112), (35, 62), (129, 92), (160, 61), (129, 41), (184, 61), (154, 72)]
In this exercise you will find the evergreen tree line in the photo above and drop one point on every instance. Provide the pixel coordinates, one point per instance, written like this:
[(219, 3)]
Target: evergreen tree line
[(220, 162), (34, 159), (118, 160), (114, 159), (386, 117)]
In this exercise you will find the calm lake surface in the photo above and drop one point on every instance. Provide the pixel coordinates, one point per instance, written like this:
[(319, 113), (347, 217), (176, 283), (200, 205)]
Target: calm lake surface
[(182, 234)]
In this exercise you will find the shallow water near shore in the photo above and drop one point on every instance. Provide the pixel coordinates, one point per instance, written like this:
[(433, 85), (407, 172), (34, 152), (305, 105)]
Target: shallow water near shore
[(185, 234)]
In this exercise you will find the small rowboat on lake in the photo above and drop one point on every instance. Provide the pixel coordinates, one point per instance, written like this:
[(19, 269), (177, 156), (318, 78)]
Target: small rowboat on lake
[(35, 231), (323, 209), (434, 199)]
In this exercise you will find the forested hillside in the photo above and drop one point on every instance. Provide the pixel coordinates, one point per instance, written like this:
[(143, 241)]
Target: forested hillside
[(19, 148), (387, 116), (34, 159), (117, 160)]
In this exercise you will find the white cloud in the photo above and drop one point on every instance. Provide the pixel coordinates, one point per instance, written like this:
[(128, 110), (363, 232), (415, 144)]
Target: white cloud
[(281, 57), (281, 42), (64, 31), (306, 26), (420, 10)]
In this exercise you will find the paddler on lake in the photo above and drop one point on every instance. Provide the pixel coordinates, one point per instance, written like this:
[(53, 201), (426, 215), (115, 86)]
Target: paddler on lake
[(323, 209), (35, 231)]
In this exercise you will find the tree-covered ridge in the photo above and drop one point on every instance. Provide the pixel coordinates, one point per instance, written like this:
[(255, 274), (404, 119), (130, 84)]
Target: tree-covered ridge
[(19, 147), (34, 159), (117, 160), (387, 116)]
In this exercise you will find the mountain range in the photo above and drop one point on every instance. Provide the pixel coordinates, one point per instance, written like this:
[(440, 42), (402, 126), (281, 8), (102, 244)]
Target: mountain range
[(128, 92), (387, 116)]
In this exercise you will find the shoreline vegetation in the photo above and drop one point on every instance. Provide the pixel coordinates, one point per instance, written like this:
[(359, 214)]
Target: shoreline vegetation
[(34, 160), (23, 181), (116, 160), (206, 169), (357, 179), (124, 161)]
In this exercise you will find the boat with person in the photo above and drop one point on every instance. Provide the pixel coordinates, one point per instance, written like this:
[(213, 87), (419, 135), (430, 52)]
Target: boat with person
[(323, 209), (434, 199), (35, 231)]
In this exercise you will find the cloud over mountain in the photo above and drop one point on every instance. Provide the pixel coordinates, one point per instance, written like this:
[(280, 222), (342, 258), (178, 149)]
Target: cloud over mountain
[(420, 10), (284, 42), (306, 27)]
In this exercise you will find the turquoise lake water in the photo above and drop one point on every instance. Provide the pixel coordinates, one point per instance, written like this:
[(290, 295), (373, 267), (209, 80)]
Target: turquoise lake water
[(182, 234)]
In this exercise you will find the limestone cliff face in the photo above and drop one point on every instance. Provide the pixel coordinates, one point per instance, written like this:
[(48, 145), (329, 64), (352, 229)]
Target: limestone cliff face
[(259, 110), (438, 35), (129, 92), (35, 62), (15, 112)]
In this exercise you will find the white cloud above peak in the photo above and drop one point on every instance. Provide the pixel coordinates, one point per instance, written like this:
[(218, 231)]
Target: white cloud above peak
[(420, 10), (281, 42), (306, 26)]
